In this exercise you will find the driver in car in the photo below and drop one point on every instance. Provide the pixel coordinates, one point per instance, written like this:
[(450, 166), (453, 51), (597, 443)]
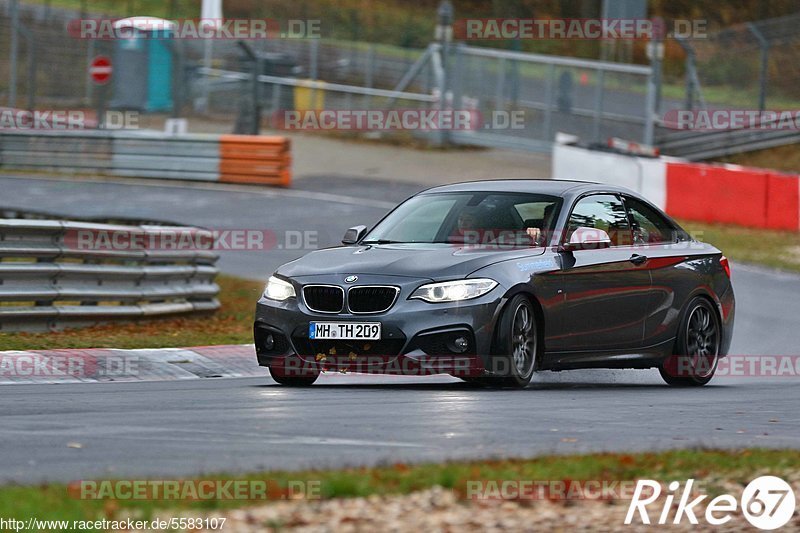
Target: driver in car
[(536, 233)]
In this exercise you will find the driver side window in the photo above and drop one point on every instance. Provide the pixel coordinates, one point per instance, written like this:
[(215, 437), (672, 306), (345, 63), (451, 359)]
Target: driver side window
[(649, 226), (604, 212)]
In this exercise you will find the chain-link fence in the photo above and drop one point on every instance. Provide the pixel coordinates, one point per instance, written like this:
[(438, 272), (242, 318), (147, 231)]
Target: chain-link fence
[(352, 64), (51, 68), (592, 99), (745, 66)]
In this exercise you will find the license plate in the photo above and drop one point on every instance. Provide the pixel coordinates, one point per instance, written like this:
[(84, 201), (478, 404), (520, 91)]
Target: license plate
[(355, 331)]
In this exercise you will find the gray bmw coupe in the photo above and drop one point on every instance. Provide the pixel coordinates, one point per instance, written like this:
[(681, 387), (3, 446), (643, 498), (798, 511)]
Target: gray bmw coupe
[(491, 281)]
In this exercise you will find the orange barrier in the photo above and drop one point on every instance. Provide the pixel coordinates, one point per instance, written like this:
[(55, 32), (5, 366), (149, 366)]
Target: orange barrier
[(255, 159), (755, 198)]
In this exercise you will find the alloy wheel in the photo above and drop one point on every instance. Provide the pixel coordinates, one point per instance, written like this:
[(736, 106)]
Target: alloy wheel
[(523, 340), (702, 341)]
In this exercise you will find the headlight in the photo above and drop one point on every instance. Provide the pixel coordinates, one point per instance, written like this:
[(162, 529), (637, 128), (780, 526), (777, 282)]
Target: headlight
[(277, 289), (454, 291)]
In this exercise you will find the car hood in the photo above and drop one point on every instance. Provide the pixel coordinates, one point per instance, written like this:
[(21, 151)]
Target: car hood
[(431, 261)]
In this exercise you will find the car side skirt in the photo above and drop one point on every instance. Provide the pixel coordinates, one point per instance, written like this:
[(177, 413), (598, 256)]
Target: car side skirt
[(647, 357)]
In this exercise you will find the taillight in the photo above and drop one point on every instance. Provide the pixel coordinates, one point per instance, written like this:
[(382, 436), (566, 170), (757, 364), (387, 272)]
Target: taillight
[(725, 266)]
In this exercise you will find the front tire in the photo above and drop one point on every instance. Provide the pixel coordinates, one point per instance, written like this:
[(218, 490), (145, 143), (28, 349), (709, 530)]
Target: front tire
[(516, 351), (302, 376), (697, 347)]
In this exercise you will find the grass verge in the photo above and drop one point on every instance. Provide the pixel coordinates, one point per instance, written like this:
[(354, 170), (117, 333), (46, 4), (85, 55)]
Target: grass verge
[(53, 501), (232, 324), (785, 158)]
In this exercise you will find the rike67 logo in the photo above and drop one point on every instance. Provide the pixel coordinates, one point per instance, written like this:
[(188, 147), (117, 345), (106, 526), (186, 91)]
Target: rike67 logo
[(768, 503)]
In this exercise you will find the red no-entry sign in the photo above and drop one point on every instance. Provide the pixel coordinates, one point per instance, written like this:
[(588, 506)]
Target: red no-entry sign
[(100, 70)]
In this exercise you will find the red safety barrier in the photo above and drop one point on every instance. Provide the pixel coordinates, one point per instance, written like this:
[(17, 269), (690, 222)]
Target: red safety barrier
[(783, 202), (711, 193), (726, 194)]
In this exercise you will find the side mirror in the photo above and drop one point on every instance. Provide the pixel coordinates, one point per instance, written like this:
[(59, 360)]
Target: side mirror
[(584, 238), (354, 234)]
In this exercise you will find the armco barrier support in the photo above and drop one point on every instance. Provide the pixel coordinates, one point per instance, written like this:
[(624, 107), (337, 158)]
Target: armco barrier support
[(146, 154), (731, 194), (255, 159)]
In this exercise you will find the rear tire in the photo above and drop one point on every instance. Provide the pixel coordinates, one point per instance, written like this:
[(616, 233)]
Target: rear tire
[(516, 352), (302, 376), (696, 353)]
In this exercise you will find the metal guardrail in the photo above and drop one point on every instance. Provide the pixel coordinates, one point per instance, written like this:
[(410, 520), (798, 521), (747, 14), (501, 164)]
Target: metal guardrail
[(62, 273), (263, 160), (121, 153), (700, 145)]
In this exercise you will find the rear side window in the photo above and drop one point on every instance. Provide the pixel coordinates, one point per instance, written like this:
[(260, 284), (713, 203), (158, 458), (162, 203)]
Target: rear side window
[(649, 226), (605, 212)]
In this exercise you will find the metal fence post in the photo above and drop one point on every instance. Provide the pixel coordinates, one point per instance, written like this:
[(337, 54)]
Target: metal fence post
[(763, 44), (692, 81), (314, 68), (501, 79), (12, 78), (444, 35), (369, 74), (598, 103), (655, 52), (276, 100), (31, 41), (177, 78), (456, 79), (89, 83), (691, 70), (650, 107), (548, 110)]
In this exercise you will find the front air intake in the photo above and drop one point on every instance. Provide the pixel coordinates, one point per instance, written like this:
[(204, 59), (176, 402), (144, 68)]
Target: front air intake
[(324, 298), (371, 299)]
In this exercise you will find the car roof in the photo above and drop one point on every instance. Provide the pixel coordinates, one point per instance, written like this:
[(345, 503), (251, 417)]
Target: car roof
[(537, 186)]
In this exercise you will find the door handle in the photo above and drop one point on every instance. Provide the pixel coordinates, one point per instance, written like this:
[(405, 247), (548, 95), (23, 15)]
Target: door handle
[(637, 259)]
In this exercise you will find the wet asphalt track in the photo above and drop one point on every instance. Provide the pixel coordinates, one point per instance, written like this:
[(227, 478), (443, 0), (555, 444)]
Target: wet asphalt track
[(183, 428)]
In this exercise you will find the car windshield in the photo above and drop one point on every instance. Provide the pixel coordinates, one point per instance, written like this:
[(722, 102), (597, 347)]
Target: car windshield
[(474, 218)]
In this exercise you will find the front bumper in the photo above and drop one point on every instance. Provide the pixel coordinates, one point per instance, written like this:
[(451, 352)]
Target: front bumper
[(416, 335)]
